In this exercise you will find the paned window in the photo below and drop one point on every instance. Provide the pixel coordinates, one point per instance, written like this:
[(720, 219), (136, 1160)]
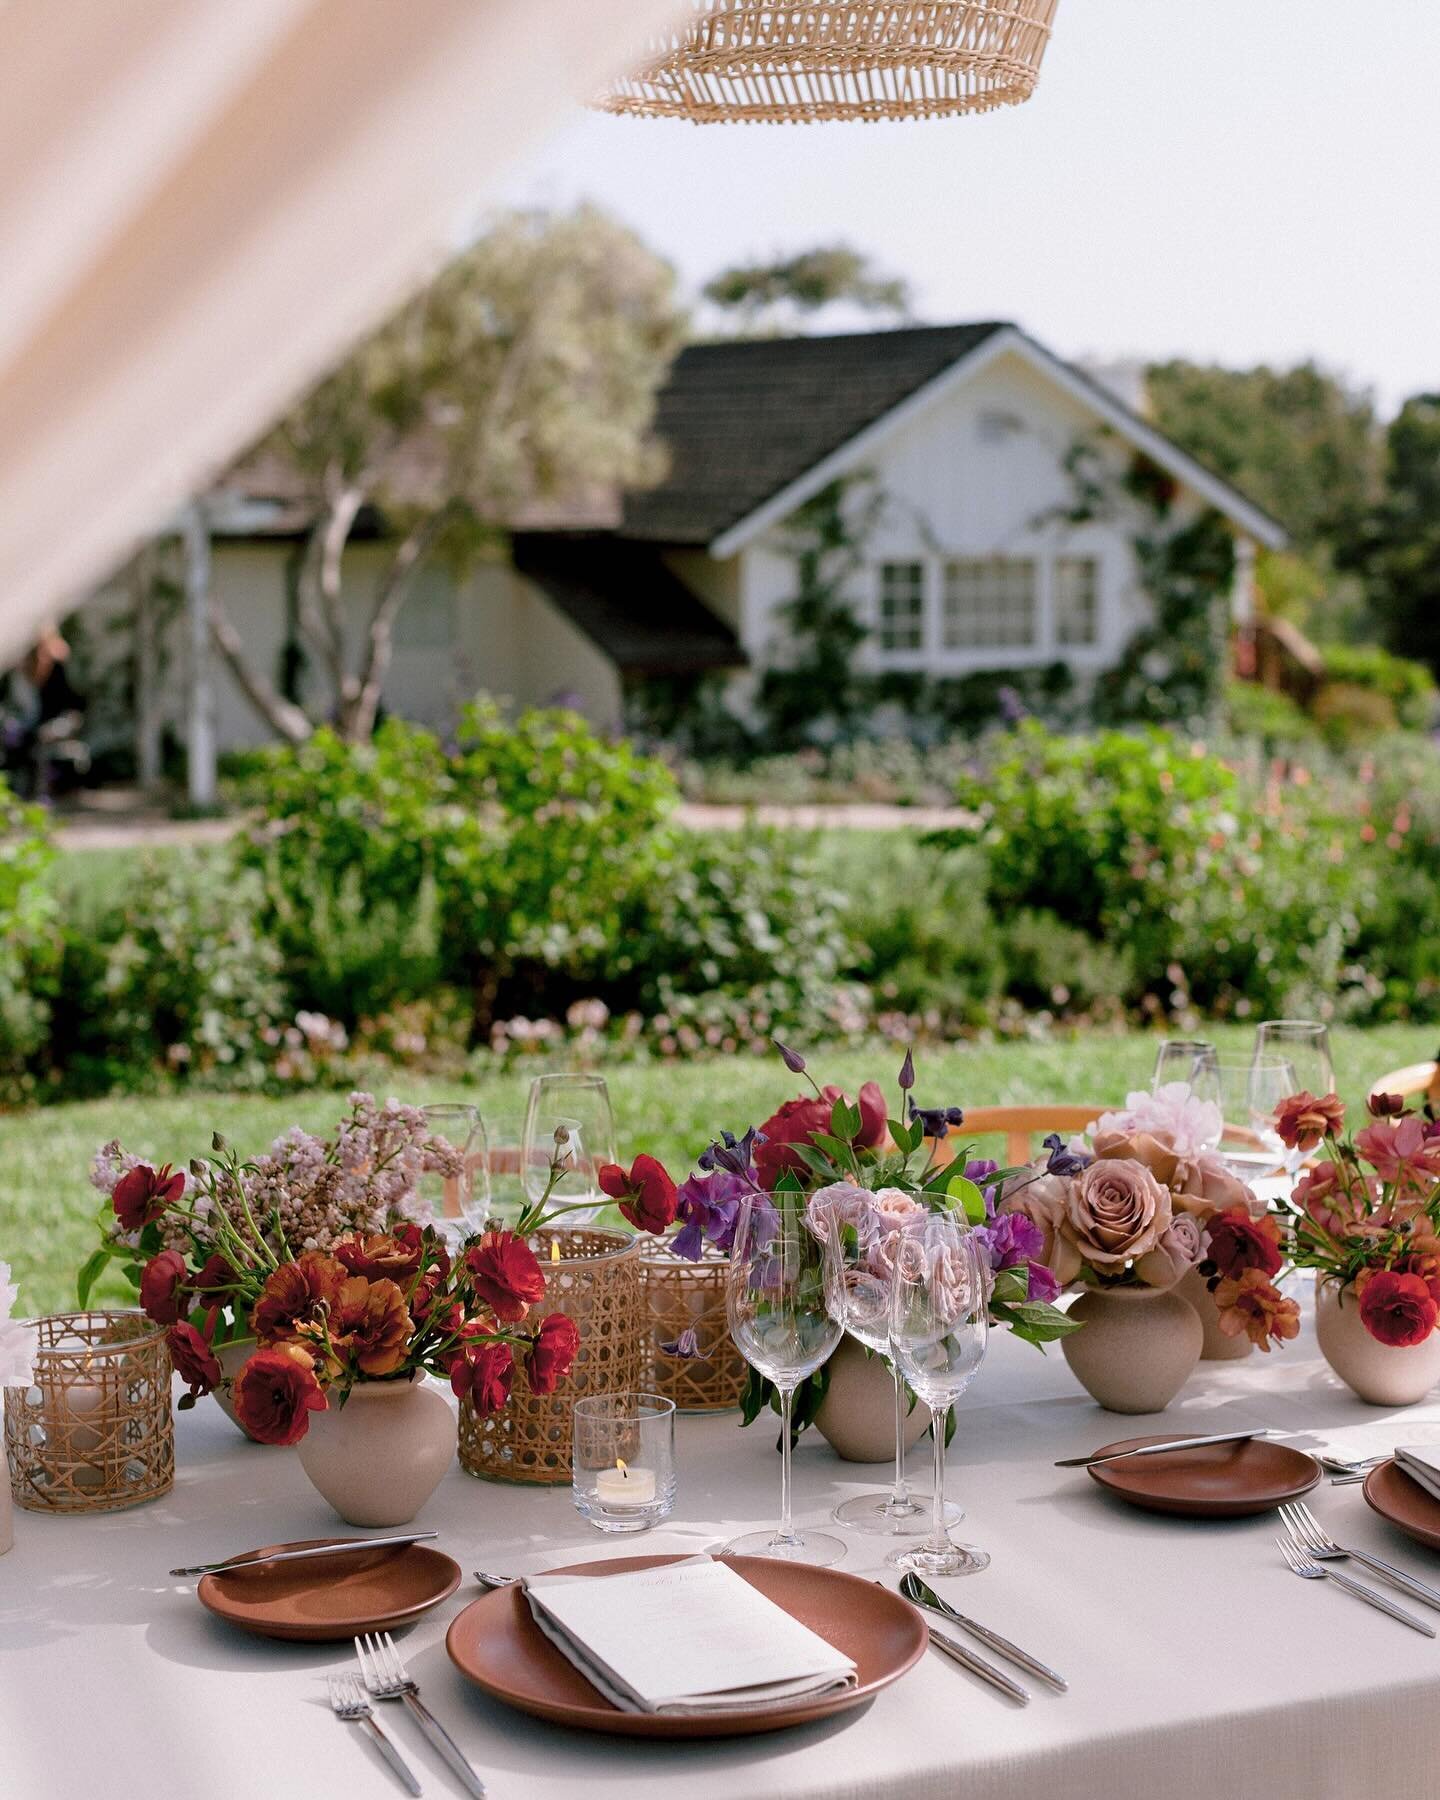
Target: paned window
[(902, 606), (990, 603)]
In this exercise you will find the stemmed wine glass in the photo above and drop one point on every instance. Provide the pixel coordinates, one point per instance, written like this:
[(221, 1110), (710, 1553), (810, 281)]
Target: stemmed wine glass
[(460, 1200), (568, 1117), (1249, 1094), (939, 1322), (775, 1298), (1194, 1065), (1305, 1045), (857, 1292)]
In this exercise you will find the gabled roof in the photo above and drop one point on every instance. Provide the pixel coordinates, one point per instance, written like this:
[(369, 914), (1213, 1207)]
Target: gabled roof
[(755, 426), (741, 420)]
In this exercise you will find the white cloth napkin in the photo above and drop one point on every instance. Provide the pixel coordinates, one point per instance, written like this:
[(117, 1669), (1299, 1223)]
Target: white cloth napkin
[(686, 1637), (1422, 1464)]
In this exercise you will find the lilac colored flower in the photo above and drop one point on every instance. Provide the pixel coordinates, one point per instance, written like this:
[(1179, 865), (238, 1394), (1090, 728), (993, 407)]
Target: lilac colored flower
[(1012, 707), (686, 1347), (1043, 1285), (792, 1059), (708, 1208), (1064, 1160)]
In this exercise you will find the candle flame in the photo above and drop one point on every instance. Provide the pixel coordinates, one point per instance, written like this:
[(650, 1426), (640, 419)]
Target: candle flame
[(554, 1249), (620, 1465)]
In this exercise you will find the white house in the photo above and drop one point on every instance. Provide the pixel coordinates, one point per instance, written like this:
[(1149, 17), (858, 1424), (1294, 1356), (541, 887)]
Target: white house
[(960, 434)]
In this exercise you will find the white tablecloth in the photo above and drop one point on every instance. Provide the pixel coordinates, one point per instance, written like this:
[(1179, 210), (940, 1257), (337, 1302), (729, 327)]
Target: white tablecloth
[(1198, 1665)]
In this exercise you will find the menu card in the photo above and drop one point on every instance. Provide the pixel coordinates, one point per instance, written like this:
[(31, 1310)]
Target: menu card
[(1422, 1464), (686, 1637)]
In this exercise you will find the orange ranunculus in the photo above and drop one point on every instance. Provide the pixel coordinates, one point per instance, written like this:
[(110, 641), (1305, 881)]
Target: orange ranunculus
[(275, 1393), (372, 1323), (297, 1293), (1303, 1121), (1251, 1306)]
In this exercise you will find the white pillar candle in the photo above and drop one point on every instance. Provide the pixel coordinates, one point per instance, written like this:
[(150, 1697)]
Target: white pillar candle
[(67, 1408), (624, 1486)]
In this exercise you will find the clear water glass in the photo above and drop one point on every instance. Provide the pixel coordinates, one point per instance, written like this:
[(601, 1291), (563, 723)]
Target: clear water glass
[(775, 1300), (1305, 1045), (571, 1114), (1249, 1094), (1181, 1059), (623, 1461), (939, 1322), (460, 1203)]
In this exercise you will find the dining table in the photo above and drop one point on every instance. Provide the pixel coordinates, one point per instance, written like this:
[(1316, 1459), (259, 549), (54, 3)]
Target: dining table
[(1198, 1665)]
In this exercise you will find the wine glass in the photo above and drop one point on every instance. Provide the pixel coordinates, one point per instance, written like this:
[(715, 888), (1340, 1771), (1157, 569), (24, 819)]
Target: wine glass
[(568, 1114), (460, 1201), (775, 1299), (939, 1321), (1249, 1094), (1305, 1045), (1194, 1065), (509, 1195), (857, 1293)]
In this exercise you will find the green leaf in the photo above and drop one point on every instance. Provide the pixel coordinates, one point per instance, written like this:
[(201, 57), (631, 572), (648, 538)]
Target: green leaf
[(838, 1148), (1038, 1323), (844, 1119), (963, 1189), (89, 1275)]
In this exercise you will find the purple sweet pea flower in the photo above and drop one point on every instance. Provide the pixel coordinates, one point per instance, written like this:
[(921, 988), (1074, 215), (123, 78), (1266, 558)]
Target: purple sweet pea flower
[(686, 1347), (1043, 1285), (979, 1169), (1010, 1240), (708, 1208)]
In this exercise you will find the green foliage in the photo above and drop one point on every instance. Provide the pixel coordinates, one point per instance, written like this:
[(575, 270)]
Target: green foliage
[(1407, 685), (805, 283), (1273, 719), (1400, 555), (28, 940)]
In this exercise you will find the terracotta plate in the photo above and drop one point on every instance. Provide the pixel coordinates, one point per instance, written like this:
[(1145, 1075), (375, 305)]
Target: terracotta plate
[(1212, 1481), (1404, 1503), (331, 1597), (497, 1644)]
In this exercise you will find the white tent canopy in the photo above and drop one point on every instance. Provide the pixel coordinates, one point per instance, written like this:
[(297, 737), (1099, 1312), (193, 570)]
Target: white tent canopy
[(202, 203)]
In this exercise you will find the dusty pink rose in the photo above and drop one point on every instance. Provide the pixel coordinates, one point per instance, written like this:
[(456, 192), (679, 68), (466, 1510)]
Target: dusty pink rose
[(1179, 1249), (898, 1211), (839, 1204), (1116, 1212), (1153, 1150)]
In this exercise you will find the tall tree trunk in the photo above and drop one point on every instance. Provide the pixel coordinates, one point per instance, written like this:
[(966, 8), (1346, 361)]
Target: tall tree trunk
[(322, 615), (283, 717), (360, 700), (200, 725)]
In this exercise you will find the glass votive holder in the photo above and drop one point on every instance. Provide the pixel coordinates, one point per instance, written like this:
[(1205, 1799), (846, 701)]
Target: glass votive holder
[(624, 1460)]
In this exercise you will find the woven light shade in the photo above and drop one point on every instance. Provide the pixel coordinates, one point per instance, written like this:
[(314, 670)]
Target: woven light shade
[(815, 60)]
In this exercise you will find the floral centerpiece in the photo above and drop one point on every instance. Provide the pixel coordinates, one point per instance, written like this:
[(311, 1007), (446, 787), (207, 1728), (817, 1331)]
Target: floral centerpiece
[(849, 1161), (1367, 1220)]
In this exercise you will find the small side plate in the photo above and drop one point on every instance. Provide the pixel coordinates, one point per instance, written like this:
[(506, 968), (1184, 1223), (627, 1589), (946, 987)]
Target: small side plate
[(333, 1597), (1210, 1481)]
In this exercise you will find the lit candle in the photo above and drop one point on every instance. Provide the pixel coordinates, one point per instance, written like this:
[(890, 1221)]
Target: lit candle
[(68, 1406), (554, 1249), (624, 1486)]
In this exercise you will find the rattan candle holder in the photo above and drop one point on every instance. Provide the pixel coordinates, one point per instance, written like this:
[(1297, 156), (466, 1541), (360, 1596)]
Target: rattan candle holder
[(689, 1297), (94, 1431), (597, 1282)]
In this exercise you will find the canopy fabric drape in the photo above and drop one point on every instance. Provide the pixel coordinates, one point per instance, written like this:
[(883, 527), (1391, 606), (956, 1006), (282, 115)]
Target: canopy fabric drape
[(202, 204)]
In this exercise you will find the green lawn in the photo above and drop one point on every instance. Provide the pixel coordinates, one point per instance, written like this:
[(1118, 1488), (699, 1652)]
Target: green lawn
[(47, 1207)]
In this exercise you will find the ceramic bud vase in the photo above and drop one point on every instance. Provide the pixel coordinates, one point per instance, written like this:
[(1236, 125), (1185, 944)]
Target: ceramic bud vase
[(857, 1416), (378, 1458), (1216, 1345), (1382, 1374), (1138, 1348)]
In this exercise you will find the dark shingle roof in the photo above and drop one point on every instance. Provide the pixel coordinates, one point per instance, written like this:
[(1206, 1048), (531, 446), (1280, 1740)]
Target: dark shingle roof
[(742, 420)]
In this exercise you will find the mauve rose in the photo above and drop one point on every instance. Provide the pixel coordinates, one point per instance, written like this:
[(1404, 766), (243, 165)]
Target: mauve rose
[(1177, 1251), (798, 1121), (161, 1287), (275, 1393), (1115, 1212), (1219, 1186), (1152, 1150), (838, 1204), (505, 1275), (552, 1353), (898, 1211)]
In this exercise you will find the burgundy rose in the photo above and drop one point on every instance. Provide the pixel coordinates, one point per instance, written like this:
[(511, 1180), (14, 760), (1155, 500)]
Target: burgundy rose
[(162, 1287), (647, 1195), (505, 1275), (482, 1374), (1397, 1309), (798, 1121), (195, 1362), (275, 1393), (552, 1353), (142, 1194)]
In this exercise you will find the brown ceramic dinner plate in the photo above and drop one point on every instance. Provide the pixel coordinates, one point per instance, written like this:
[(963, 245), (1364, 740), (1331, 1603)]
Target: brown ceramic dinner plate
[(331, 1597), (1406, 1505), (497, 1645), (1210, 1481)]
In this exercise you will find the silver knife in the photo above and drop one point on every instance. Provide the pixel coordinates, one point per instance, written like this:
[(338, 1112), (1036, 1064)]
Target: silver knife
[(338, 1548), (967, 1659), (920, 1593), (1190, 1443)]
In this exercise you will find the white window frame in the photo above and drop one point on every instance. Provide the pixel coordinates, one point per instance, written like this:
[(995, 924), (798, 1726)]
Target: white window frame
[(935, 658)]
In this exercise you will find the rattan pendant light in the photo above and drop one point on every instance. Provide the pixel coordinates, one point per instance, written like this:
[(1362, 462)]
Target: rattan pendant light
[(811, 60)]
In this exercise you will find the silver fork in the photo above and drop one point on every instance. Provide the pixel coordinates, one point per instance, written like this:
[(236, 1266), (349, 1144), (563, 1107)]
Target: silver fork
[(348, 1702), (383, 1671), (1301, 1564), (1307, 1531)]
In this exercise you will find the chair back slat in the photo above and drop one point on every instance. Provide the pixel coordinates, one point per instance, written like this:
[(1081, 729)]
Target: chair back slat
[(1022, 1125)]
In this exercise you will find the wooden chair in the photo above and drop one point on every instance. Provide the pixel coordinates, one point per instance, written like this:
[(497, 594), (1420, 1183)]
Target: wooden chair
[(1022, 1125), (1416, 1080)]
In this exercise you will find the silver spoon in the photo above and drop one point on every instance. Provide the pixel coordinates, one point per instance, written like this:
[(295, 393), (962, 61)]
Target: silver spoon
[(920, 1594)]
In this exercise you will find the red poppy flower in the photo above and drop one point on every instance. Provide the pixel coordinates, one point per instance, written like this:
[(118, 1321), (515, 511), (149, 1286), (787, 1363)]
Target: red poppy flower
[(214, 1283), (798, 1121), (1397, 1309), (143, 1193), (275, 1393), (647, 1195), (295, 1294), (195, 1362), (162, 1287), (552, 1353), (482, 1374), (1238, 1242), (505, 1275)]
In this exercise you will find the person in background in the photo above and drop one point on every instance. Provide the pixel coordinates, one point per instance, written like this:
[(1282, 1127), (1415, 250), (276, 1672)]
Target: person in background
[(41, 709)]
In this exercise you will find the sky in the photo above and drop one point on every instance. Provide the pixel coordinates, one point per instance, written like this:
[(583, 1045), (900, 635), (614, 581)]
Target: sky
[(1237, 181)]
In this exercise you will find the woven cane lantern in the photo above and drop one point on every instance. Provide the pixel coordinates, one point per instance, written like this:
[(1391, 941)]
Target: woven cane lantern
[(814, 60)]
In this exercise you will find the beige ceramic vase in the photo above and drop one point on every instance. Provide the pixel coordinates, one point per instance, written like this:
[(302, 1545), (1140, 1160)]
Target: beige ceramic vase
[(1382, 1374), (380, 1457), (1138, 1348), (232, 1358), (1216, 1346), (857, 1416)]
